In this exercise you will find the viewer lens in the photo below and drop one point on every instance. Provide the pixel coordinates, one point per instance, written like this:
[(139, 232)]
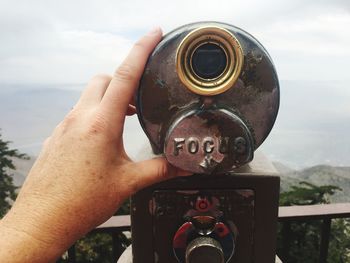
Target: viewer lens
[(209, 61)]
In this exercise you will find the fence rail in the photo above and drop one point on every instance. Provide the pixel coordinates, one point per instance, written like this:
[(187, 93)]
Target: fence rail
[(286, 215), (114, 226), (325, 212)]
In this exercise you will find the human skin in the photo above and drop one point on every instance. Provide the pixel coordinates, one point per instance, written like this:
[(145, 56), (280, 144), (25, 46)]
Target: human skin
[(83, 173)]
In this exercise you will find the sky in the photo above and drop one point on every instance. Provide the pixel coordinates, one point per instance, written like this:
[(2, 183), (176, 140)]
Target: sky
[(47, 44), (61, 42)]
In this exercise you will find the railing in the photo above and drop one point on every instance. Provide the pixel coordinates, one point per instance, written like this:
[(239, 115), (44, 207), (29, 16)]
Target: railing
[(326, 213), (287, 215), (114, 226)]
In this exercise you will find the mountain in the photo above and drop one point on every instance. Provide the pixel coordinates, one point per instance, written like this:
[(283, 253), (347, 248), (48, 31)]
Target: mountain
[(312, 125), (311, 128), (29, 115), (318, 175)]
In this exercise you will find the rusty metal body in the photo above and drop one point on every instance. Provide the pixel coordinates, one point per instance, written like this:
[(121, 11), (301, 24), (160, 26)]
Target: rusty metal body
[(167, 217), (220, 130), (208, 98)]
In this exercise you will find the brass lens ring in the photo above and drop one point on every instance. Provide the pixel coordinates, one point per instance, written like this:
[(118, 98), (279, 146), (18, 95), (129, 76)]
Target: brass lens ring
[(214, 36)]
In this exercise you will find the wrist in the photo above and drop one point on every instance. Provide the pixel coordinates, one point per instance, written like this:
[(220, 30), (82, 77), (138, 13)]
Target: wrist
[(27, 234), (17, 245)]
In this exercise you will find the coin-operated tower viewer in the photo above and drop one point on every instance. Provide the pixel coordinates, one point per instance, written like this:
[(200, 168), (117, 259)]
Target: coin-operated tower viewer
[(207, 100)]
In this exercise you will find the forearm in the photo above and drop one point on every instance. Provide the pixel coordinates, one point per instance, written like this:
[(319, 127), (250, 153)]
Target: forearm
[(41, 228), (19, 246), (35, 232), (29, 234)]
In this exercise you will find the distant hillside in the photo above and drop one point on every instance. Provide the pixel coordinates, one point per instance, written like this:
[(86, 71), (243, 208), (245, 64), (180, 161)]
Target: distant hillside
[(27, 117), (22, 169), (318, 175), (313, 132)]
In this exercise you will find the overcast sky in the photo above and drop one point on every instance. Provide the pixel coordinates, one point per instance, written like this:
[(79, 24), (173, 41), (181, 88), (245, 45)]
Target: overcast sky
[(63, 43), (68, 41)]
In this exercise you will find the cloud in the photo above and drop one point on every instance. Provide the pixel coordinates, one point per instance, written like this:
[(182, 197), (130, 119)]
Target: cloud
[(318, 35), (69, 41), (74, 57)]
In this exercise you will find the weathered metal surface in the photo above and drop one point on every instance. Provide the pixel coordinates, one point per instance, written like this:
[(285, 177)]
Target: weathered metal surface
[(245, 201), (204, 217), (127, 257), (189, 233), (208, 119), (201, 141), (204, 250), (251, 106), (223, 215)]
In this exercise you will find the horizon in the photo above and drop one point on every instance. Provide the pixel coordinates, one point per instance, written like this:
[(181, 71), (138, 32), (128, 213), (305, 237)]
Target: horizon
[(300, 126), (46, 47)]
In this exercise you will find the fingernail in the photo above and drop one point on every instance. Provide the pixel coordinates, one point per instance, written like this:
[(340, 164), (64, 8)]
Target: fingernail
[(154, 31)]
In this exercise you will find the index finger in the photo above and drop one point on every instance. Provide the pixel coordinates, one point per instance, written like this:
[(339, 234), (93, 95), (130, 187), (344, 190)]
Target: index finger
[(116, 99)]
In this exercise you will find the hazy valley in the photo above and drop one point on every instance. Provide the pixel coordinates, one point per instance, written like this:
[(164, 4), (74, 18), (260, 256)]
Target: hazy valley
[(309, 142)]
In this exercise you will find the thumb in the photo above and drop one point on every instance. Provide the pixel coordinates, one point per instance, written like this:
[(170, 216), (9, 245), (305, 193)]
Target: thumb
[(153, 171)]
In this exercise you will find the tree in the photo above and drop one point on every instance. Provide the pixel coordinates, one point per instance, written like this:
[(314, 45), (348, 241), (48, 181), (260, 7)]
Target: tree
[(307, 194), (304, 237), (7, 188)]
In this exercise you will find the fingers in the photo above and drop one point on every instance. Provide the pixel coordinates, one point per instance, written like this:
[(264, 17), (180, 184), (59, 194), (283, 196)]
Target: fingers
[(94, 91), (120, 91), (153, 171), (131, 110), (131, 107)]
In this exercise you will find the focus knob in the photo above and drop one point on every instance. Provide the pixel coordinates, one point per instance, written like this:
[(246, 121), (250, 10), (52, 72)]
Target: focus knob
[(204, 250)]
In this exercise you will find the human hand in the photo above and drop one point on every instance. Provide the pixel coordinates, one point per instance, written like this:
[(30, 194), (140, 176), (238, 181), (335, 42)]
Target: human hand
[(83, 173)]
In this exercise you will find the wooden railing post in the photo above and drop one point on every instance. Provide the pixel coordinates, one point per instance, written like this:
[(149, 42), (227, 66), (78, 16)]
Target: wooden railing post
[(71, 254), (286, 232), (117, 248), (324, 212), (325, 233)]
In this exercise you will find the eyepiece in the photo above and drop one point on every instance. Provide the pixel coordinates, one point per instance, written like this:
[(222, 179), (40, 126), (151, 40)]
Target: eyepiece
[(208, 61)]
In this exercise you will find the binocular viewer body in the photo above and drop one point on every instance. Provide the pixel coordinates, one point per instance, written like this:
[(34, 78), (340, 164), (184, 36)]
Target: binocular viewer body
[(222, 218), (208, 98)]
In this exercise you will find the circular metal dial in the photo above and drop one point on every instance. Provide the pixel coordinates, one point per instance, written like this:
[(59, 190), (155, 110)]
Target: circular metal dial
[(204, 250), (188, 242)]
